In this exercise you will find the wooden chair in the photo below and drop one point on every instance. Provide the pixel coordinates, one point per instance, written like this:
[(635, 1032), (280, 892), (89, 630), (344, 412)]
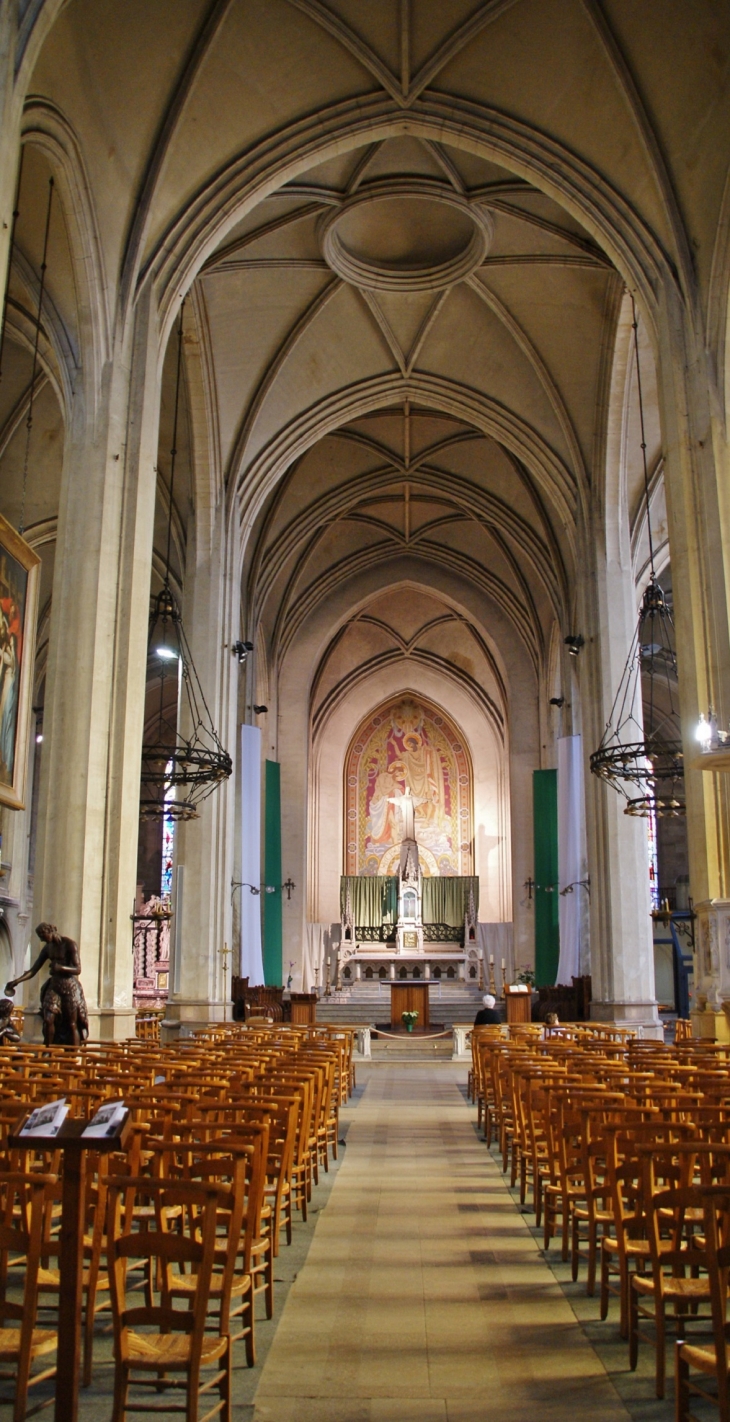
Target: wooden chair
[(154, 1339), (700, 1358), (234, 1166), (24, 1206), (678, 1264)]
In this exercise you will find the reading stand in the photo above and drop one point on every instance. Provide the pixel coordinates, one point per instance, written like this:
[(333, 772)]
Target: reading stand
[(70, 1139)]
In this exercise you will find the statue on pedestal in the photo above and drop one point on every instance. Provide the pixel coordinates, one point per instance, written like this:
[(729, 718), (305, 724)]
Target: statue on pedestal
[(409, 930), (63, 1005)]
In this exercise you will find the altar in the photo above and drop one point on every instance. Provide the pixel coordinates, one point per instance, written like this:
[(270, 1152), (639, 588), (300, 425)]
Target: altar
[(408, 925)]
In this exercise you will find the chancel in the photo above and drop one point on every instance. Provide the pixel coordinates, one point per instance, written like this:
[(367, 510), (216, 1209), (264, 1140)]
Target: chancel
[(364, 651)]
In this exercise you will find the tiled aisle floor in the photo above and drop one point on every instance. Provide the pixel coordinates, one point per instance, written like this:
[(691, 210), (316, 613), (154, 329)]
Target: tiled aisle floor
[(423, 1295)]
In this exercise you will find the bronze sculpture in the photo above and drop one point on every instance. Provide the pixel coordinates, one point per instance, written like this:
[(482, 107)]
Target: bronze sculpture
[(63, 1005)]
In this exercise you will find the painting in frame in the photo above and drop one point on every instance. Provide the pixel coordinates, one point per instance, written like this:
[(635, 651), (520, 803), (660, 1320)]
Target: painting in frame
[(19, 574)]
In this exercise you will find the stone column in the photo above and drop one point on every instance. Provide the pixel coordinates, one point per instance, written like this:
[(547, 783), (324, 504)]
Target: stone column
[(204, 847), (94, 708), (622, 951), (698, 507)]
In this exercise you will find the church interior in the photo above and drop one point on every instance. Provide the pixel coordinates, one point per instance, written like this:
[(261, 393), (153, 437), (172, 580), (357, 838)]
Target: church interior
[(365, 671)]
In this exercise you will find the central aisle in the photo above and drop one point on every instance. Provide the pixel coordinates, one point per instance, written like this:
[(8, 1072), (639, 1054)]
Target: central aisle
[(423, 1295)]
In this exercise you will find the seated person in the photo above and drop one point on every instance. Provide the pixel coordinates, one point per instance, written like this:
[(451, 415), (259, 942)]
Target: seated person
[(487, 1015)]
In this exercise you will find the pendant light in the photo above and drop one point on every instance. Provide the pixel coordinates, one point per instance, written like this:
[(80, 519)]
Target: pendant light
[(178, 772), (641, 754)]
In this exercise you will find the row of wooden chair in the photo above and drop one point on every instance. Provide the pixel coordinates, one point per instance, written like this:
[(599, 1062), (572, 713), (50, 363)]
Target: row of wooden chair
[(622, 1149), (228, 1132)]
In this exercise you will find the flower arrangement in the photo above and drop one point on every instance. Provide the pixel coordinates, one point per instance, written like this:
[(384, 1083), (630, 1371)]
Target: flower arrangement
[(409, 1018), (526, 975)]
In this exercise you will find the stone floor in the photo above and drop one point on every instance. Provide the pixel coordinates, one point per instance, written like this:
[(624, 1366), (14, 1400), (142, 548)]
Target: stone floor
[(418, 1289), (423, 1295)]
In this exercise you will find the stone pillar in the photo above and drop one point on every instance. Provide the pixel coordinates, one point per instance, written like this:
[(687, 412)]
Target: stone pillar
[(711, 1007), (622, 951), (698, 508), (204, 847), (94, 708)]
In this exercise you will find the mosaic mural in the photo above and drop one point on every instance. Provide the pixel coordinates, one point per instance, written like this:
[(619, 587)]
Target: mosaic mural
[(408, 742)]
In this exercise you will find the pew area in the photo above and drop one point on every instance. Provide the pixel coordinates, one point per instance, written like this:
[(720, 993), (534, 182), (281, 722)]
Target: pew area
[(614, 1158), (224, 1138), (619, 1151)]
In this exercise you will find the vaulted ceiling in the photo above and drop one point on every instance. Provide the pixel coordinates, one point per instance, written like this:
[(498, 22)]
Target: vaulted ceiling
[(404, 230)]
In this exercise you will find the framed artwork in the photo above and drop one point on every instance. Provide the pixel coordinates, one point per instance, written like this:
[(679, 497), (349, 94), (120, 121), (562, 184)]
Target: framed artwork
[(19, 575)]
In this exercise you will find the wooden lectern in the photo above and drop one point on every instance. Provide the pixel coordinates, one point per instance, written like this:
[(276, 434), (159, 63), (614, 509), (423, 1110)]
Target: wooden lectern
[(70, 1140), (303, 1008), (519, 1005), (409, 997)]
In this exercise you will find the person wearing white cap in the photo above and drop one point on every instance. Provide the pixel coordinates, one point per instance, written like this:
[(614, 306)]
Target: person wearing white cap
[(487, 1015)]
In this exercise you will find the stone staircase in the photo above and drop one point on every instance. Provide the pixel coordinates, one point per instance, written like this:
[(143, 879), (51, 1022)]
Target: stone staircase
[(369, 1003)]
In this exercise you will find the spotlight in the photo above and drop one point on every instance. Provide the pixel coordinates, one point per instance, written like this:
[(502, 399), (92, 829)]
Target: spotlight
[(557, 700), (574, 644), (241, 650)]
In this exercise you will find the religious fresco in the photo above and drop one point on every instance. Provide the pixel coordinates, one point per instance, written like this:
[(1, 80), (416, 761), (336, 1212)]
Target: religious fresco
[(408, 743)]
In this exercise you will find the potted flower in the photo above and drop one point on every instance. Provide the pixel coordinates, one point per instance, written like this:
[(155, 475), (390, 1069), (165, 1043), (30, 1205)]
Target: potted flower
[(409, 1018)]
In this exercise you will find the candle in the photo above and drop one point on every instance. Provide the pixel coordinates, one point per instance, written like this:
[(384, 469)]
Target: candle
[(491, 960), (503, 965)]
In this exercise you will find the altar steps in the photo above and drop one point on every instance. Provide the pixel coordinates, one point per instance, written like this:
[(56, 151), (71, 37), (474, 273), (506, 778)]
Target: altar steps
[(368, 1003)]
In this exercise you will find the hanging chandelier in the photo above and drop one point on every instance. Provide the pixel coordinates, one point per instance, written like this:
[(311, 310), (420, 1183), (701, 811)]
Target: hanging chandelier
[(641, 753), (178, 772)]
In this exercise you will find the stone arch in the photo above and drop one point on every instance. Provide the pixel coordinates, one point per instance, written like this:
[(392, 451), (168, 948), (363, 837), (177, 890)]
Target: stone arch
[(193, 234)]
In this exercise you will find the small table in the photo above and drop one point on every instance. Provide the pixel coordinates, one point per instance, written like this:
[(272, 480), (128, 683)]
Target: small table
[(70, 1139)]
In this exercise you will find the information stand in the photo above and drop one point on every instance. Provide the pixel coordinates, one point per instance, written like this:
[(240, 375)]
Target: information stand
[(70, 1139)]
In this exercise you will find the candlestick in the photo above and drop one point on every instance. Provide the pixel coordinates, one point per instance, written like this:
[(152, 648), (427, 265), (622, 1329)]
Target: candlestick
[(225, 954)]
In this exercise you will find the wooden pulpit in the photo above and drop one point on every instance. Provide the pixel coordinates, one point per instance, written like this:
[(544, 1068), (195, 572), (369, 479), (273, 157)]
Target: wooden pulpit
[(409, 996)]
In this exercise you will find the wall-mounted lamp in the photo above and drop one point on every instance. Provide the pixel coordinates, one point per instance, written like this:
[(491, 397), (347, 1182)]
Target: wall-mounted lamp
[(578, 884), (241, 650), (259, 710), (241, 884), (574, 644), (557, 700)]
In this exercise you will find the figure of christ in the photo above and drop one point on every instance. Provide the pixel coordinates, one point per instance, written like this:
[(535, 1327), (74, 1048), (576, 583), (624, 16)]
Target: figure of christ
[(63, 1006), (407, 806)]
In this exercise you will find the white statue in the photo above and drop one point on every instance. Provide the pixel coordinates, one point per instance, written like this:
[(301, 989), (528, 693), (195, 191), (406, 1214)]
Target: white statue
[(407, 806)]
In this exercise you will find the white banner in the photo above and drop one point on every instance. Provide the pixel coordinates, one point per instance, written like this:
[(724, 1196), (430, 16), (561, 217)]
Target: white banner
[(252, 963)]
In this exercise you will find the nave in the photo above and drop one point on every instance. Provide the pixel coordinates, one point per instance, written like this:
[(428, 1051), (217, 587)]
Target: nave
[(424, 1295)]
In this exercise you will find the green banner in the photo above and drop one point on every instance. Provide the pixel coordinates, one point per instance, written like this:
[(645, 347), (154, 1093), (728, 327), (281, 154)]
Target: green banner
[(272, 944), (545, 838)]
